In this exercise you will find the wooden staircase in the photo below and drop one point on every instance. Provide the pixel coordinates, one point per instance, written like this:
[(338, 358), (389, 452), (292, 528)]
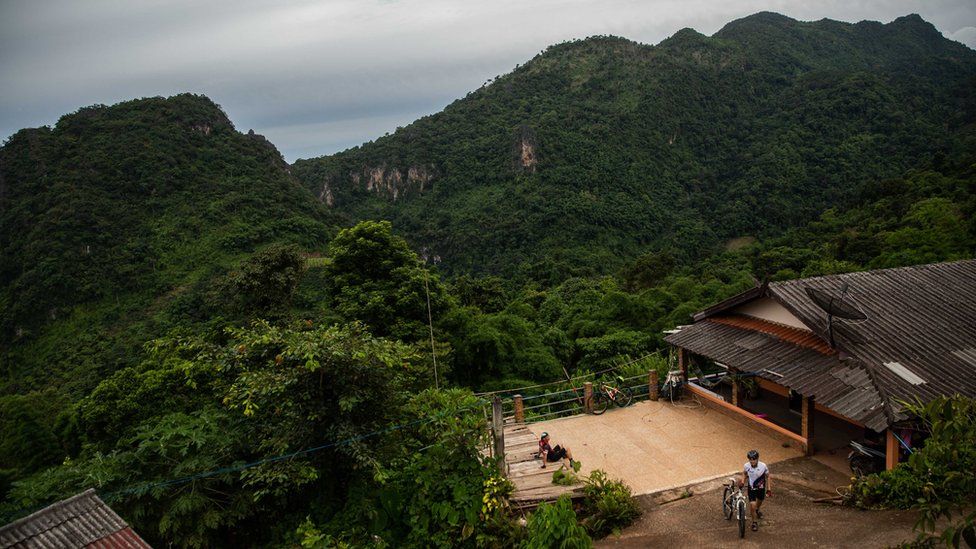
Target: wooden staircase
[(533, 484)]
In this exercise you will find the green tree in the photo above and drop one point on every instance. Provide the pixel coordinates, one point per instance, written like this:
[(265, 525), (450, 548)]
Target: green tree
[(264, 283), (373, 276)]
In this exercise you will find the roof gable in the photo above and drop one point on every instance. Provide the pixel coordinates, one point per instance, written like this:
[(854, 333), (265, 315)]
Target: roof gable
[(770, 310)]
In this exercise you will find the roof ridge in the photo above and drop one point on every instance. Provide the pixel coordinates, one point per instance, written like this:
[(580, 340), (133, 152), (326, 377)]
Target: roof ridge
[(870, 272), (880, 388)]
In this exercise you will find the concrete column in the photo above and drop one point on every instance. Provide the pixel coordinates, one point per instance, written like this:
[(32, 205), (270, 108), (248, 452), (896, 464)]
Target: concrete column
[(683, 363), (653, 391), (588, 397), (498, 433), (807, 424), (736, 392), (519, 409), (891, 450)]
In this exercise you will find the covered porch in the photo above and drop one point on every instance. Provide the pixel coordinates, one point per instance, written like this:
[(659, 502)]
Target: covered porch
[(784, 398)]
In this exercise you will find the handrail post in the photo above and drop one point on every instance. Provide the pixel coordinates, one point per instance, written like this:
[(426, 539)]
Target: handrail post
[(652, 386), (519, 409), (588, 397), (683, 363), (498, 432)]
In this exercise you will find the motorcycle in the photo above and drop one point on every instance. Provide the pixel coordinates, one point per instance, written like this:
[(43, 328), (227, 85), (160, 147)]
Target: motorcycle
[(865, 460)]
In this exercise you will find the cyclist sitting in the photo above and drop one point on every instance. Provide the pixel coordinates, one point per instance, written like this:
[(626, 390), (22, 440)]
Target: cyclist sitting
[(755, 474), (550, 454)]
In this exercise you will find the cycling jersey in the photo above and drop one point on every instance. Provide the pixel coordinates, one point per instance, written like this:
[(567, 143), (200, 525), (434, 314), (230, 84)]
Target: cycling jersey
[(757, 475)]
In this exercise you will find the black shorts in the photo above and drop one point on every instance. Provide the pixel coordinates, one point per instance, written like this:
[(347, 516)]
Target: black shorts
[(757, 494), (556, 453)]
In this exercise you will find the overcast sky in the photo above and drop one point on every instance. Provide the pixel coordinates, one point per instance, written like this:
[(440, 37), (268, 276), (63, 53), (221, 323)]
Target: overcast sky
[(317, 77)]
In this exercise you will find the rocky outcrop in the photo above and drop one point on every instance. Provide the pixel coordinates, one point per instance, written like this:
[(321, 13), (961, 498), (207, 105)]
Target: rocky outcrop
[(389, 182), (326, 195), (393, 182), (525, 156)]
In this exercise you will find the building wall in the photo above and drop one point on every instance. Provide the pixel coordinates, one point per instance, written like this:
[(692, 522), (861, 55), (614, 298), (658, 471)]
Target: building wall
[(768, 309)]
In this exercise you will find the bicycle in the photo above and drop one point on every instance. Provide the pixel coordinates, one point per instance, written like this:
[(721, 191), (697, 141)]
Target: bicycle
[(734, 503), (606, 394)]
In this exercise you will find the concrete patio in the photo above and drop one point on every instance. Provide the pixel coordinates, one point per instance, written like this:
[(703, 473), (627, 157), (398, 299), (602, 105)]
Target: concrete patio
[(655, 446)]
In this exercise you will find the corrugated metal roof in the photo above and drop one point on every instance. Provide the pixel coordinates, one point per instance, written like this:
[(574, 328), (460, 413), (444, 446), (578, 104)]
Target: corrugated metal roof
[(802, 338), (79, 521), (842, 386), (922, 318)]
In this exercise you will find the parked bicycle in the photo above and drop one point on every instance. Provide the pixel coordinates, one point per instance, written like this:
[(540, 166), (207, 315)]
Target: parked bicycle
[(865, 460), (605, 394), (734, 503)]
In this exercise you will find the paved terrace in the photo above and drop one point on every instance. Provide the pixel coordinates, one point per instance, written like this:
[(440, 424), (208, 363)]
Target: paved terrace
[(652, 446)]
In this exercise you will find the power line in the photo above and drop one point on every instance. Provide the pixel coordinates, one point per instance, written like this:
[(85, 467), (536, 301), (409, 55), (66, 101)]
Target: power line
[(636, 360), (305, 451), (221, 471)]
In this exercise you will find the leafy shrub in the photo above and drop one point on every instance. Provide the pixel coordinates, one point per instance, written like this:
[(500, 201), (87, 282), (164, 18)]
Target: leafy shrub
[(939, 479), (564, 478), (609, 505), (556, 526)]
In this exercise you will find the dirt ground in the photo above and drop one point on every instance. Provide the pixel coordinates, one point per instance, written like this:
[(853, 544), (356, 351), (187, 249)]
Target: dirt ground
[(791, 518)]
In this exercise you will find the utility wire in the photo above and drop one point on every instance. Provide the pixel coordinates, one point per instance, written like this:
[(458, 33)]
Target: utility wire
[(305, 451), (636, 360), (190, 478)]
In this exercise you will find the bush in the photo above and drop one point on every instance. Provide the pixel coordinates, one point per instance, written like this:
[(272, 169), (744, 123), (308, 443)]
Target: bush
[(939, 479), (609, 505), (556, 526), (564, 478)]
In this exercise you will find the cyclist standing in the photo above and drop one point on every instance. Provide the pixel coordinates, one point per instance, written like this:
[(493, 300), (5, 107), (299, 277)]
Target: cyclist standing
[(755, 474)]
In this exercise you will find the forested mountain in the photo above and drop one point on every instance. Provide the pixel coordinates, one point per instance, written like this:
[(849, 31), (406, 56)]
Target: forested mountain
[(166, 339), (113, 220), (600, 149)]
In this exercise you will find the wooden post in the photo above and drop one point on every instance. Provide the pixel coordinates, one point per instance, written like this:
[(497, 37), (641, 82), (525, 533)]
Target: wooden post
[(736, 391), (588, 397), (653, 391), (683, 364), (498, 432), (519, 409), (807, 424), (891, 450)]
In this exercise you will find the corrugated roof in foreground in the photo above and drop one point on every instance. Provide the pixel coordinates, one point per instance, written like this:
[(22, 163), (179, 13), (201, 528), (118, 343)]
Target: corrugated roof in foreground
[(79, 521)]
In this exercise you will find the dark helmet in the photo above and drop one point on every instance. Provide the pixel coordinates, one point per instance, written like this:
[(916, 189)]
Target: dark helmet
[(544, 435), (753, 454)]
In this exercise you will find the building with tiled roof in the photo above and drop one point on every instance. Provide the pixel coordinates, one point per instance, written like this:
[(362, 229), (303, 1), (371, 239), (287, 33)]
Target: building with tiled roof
[(79, 521), (916, 340)]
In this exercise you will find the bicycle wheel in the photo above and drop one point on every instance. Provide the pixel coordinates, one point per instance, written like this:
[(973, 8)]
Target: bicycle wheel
[(860, 466), (727, 503), (600, 403), (742, 519), (623, 397)]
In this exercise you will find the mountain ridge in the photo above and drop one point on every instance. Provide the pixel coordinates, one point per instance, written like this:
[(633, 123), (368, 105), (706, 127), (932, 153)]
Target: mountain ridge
[(689, 117)]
